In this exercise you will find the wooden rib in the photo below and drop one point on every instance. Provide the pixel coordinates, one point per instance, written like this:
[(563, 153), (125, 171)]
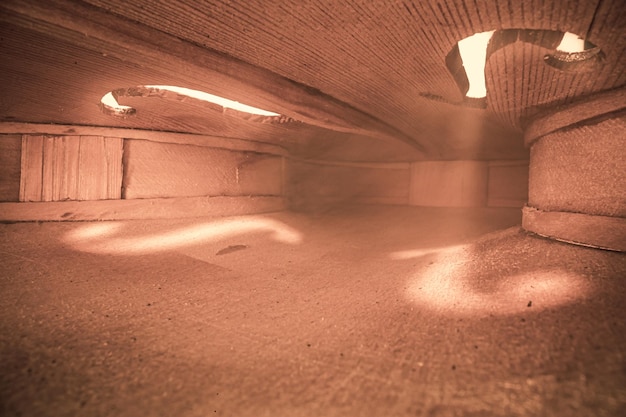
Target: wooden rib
[(150, 135)]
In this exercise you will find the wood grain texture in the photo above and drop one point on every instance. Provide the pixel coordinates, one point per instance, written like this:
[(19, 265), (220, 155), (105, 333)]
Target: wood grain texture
[(56, 168), (10, 163), (602, 232), (154, 208), (168, 170), (210, 71), (348, 70), (449, 184)]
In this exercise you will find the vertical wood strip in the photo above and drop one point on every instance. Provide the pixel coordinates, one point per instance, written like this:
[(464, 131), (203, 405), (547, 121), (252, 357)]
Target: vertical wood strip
[(57, 168), (10, 164), (49, 178), (69, 190), (90, 168), (31, 168), (114, 148)]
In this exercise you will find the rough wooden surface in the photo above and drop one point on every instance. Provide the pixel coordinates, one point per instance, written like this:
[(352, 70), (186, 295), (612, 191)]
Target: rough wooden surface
[(150, 208), (581, 169), (602, 232), (376, 312), (10, 155), (56, 168)]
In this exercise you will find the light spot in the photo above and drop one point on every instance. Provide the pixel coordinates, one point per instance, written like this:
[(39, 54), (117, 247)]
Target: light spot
[(473, 51), (210, 98)]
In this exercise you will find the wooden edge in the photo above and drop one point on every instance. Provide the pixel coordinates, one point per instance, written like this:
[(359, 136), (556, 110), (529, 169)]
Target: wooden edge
[(602, 232), (402, 201), (140, 134), (505, 202), (509, 163), (587, 108), (152, 208), (345, 164)]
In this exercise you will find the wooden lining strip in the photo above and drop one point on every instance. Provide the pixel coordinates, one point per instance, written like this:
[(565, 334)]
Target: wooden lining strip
[(150, 135), (601, 232)]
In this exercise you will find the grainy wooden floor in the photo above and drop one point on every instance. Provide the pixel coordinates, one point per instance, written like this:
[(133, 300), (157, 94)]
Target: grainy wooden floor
[(363, 312)]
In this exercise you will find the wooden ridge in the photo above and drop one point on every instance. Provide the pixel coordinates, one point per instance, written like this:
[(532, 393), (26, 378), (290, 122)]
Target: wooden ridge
[(602, 232), (149, 135)]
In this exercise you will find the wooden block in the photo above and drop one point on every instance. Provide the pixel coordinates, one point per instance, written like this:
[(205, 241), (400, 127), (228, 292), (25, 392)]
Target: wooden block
[(56, 168), (508, 184), (100, 168), (10, 161), (449, 183)]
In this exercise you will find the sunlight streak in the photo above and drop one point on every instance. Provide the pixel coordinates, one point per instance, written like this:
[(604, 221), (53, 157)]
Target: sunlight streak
[(100, 238), (451, 286)]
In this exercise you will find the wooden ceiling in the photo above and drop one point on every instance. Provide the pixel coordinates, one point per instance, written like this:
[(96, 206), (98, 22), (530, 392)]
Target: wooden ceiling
[(364, 79)]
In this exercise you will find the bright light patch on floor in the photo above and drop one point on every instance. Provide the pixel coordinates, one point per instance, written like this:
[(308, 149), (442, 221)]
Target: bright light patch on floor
[(417, 253), (103, 240), (210, 98), (571, 43), (447, 285), (473, 51)]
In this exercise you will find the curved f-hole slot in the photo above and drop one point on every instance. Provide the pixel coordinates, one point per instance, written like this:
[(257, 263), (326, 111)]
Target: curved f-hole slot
[(473, 52), (467, 59), (109, 102)]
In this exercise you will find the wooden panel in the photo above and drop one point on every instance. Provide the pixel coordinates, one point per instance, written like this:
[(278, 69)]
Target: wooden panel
[(61, 171), (10, 161), (449, 183), (56, 168), (314, 184), (508, 184), (153, 208), (31, 181), (168, 170), (260, 175), (100, 168)]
